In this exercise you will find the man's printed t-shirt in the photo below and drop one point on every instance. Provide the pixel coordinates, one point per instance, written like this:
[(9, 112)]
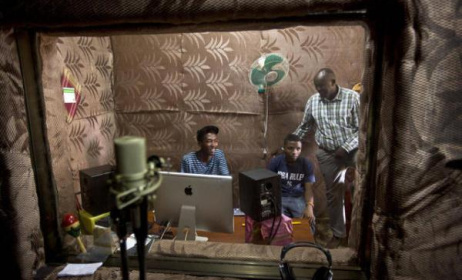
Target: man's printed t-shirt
[(293, 176)]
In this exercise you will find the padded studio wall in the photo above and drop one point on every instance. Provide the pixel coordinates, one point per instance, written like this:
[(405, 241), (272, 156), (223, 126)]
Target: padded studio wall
[(21, 239), (87, 139), (417, 220)]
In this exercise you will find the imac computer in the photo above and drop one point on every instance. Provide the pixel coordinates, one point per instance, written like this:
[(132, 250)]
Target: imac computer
[(193, 202)]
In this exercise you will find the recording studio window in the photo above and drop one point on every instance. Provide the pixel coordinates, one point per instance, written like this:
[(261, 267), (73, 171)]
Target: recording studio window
[(165, 86)]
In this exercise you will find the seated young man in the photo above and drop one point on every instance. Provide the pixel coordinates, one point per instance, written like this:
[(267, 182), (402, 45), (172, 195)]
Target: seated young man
[(297, 176), (209, 159)]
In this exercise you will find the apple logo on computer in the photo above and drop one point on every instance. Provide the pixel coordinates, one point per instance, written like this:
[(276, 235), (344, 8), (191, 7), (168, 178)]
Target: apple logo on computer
[(188, 190)]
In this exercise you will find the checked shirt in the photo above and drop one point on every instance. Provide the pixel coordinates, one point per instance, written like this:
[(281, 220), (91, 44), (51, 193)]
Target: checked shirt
[(337, 120)]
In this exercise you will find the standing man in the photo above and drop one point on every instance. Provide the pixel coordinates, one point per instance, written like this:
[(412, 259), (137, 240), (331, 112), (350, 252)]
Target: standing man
[(209, 159), (335, 112), (297, 177)]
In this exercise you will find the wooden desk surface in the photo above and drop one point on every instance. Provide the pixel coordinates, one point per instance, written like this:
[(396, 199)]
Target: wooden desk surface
[(302, 232)]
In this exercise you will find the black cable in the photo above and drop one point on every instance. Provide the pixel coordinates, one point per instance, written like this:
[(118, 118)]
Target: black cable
[(271, 235), (275, 210)]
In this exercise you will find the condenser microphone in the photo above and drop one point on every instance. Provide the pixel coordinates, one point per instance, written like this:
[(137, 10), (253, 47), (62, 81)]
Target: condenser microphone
[(130, 152), (134, 178)]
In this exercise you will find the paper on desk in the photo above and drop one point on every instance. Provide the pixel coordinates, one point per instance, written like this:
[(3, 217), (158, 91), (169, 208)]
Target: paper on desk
[(79, 269)]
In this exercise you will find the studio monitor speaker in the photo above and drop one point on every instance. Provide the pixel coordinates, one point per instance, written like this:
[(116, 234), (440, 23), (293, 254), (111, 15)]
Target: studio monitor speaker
[(94, 187), (260, 194)]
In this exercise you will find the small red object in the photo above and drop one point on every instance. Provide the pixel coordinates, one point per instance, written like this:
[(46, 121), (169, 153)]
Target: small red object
[(68, 220), (71, 225)]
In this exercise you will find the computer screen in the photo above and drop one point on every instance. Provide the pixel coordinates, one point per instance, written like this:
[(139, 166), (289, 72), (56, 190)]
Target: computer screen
[(209, 198)]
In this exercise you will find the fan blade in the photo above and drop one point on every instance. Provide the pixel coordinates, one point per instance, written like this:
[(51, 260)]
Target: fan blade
[(257, 77), (272, 60)]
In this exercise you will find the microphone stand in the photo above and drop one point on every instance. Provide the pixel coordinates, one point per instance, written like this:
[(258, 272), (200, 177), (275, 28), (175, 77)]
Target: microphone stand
[(140, 228), (120, 219), (139, 219)]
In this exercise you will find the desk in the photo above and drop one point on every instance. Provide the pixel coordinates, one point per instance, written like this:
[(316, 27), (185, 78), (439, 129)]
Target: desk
[(302, 232)]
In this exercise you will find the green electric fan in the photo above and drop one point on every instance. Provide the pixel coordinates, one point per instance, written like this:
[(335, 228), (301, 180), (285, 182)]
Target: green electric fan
[(268, 70), (265, 72)]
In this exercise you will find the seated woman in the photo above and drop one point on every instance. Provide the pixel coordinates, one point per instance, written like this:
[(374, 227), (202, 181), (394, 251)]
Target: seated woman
[(209, 159)]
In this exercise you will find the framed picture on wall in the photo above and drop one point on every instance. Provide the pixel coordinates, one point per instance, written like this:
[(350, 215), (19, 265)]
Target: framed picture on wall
[(71, 93)]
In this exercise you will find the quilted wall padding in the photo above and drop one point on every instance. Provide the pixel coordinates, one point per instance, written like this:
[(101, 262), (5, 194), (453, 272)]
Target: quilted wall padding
[(167, 86), (417, 220), (90, 12), (87, 141), (362, 186), (21, 239)]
